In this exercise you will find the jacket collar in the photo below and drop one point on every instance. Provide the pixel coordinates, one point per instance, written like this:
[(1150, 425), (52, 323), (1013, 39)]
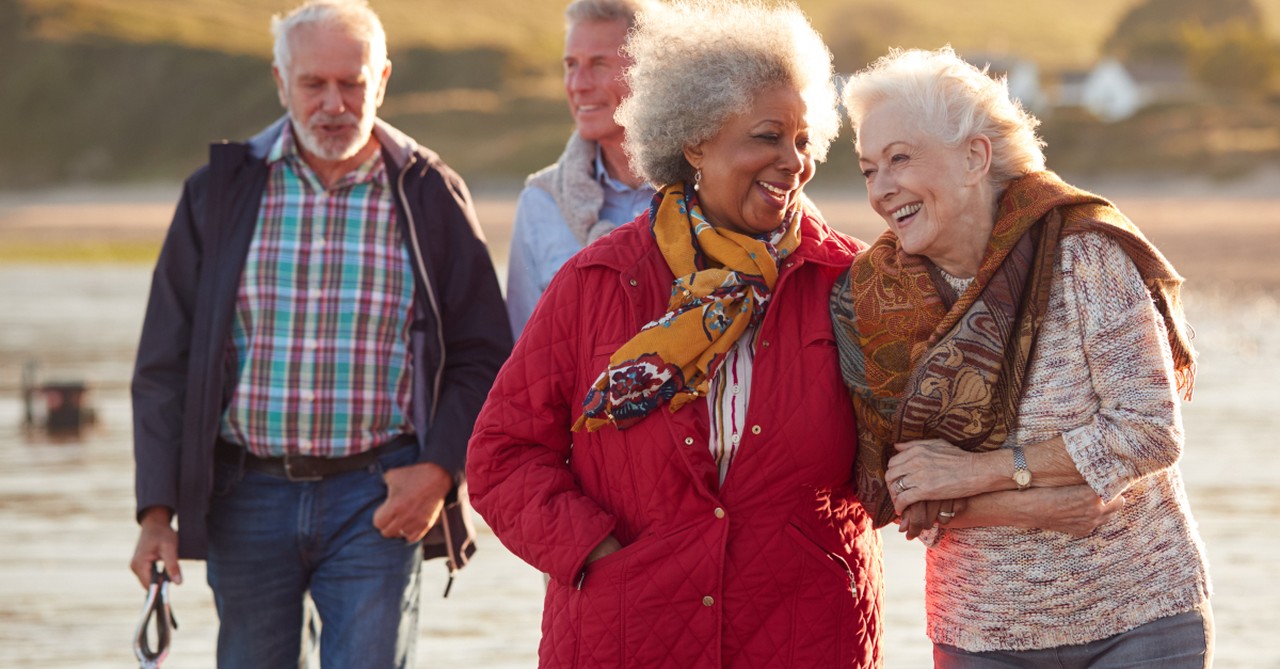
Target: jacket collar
[(626, 247), (820, 244), (396, 145)]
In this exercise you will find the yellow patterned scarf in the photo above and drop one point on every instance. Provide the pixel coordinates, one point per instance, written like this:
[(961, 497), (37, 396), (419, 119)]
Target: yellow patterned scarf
[(724, 280), (920, 363)]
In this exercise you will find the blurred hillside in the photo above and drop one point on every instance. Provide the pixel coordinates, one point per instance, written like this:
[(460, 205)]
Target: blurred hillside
[(126, 90)]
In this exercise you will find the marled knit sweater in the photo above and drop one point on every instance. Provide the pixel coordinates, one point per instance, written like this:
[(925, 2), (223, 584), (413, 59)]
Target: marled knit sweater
[(1102, 377)]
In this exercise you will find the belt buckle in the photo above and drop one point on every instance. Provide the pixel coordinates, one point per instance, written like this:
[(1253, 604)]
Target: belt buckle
[(297, 471)]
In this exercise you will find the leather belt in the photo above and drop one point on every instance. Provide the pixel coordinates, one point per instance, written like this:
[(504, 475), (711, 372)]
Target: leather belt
[(306, 467)]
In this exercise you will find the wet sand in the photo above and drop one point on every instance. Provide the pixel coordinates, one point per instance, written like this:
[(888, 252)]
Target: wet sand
[(66, 528)]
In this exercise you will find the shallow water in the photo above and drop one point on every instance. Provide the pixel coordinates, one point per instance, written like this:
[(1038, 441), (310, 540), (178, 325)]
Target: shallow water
[(67, 598)]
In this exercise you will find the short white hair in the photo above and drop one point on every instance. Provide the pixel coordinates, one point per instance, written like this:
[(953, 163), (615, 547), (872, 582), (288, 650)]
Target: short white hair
[(953, 101), (356, 16), (698, 63)]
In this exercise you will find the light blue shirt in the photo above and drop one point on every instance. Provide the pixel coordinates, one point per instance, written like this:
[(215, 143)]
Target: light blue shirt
[(541, 241)]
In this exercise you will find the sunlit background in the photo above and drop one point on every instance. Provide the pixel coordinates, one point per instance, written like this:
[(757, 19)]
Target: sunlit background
[(1169, 107)]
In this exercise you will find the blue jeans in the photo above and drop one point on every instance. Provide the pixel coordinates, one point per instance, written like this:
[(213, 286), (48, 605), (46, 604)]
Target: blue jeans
[(1182, 641), (272, 541)]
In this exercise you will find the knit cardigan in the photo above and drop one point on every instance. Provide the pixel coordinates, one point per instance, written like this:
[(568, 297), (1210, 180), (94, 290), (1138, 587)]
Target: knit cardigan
[(1102, 377)]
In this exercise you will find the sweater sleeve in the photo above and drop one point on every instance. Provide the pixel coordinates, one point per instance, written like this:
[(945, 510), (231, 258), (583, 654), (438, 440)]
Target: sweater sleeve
[(1136, 429), (518, 467)]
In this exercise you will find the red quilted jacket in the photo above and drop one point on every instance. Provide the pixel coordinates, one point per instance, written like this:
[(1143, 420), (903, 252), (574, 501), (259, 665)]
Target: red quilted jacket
[(779, 567)]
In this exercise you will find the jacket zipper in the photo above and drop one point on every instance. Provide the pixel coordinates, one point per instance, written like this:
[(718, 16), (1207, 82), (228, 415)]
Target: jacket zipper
[(426, 280)]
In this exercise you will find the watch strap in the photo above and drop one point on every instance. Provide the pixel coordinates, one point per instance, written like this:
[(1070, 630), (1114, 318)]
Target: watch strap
[(1021, 473)]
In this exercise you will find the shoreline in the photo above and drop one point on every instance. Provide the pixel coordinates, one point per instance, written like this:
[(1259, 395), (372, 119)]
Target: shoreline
[(1221, 239)]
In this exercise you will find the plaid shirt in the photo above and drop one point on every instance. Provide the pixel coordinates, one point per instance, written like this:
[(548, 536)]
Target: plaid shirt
[(320, 340)]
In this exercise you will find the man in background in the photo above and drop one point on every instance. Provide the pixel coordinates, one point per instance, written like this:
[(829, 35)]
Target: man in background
[(591, 189), (323, 326)]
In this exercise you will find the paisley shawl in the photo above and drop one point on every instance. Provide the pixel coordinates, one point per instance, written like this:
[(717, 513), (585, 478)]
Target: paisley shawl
[(921, 362), (724, 280)]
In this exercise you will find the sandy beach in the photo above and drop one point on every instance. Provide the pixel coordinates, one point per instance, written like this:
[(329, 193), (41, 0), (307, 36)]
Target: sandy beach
[(66, 508)]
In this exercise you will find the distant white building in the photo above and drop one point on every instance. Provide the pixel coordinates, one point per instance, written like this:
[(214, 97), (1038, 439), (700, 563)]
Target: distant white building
[(1110, 92), (1113, 91)]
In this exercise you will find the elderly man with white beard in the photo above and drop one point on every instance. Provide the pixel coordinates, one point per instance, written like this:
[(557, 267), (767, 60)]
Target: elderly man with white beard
[(323, 326)]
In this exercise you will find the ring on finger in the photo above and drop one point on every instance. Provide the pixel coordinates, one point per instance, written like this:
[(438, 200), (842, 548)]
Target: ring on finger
[(902, 487), (947, 514)]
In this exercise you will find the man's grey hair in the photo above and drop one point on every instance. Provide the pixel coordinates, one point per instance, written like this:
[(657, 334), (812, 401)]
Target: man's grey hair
[(697, 63), (356, 16), (953, 101), (588, 11)]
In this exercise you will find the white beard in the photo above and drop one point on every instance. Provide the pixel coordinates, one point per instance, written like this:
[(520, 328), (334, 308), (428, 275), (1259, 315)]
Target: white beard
[(332, 148)]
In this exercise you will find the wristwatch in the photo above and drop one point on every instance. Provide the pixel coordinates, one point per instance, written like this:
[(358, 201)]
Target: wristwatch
[(1021, 474)]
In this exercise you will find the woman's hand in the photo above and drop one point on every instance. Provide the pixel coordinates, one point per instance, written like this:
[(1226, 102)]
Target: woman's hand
[(931, 469), (609, 545), (925, 515), (1076, 510)]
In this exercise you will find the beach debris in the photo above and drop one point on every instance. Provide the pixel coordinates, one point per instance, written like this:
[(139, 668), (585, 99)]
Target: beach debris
[(59, 408)]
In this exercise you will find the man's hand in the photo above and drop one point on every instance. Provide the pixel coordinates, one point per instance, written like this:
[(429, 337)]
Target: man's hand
[(157, 542), (415, 498)]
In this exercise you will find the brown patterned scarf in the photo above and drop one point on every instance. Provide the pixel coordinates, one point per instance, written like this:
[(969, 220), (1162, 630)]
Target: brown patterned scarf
[(724, 281), (921, 362)]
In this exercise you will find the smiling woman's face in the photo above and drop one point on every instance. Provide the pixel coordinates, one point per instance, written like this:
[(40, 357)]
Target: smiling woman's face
[(754, 168), (934, 197)]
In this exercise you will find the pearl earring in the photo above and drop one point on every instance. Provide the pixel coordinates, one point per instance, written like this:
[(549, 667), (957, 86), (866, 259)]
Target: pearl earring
[(697, 179)]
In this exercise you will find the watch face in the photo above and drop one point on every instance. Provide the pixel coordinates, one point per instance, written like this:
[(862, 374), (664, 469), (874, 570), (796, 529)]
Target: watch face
[(1022, 477)]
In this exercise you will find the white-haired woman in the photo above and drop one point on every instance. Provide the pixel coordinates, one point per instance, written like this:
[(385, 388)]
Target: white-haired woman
[(670, 440), (1015, 347)]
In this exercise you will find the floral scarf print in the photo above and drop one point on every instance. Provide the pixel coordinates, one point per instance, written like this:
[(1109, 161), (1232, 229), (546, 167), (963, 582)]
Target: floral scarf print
[(724, 280), (922, 362)]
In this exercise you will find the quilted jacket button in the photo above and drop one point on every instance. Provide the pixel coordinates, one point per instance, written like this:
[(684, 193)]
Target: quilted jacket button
[(719, 512), (765, 343), (708, 601), (634, 282), (755, 429), (688, 441)]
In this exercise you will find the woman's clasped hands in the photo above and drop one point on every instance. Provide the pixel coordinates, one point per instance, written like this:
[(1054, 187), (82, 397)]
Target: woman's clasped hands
[(928, 480)]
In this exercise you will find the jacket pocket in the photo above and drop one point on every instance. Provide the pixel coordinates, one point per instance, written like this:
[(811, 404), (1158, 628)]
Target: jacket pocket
[(599, 602), (833, 563), (225, 478), (825, 620)]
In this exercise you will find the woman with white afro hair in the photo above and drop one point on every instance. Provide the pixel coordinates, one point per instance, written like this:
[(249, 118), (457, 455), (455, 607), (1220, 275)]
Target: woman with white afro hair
[(670, 440), (697, 63)]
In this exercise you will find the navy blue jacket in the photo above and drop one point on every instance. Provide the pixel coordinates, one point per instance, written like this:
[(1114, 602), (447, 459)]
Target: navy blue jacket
[(181, 382)]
